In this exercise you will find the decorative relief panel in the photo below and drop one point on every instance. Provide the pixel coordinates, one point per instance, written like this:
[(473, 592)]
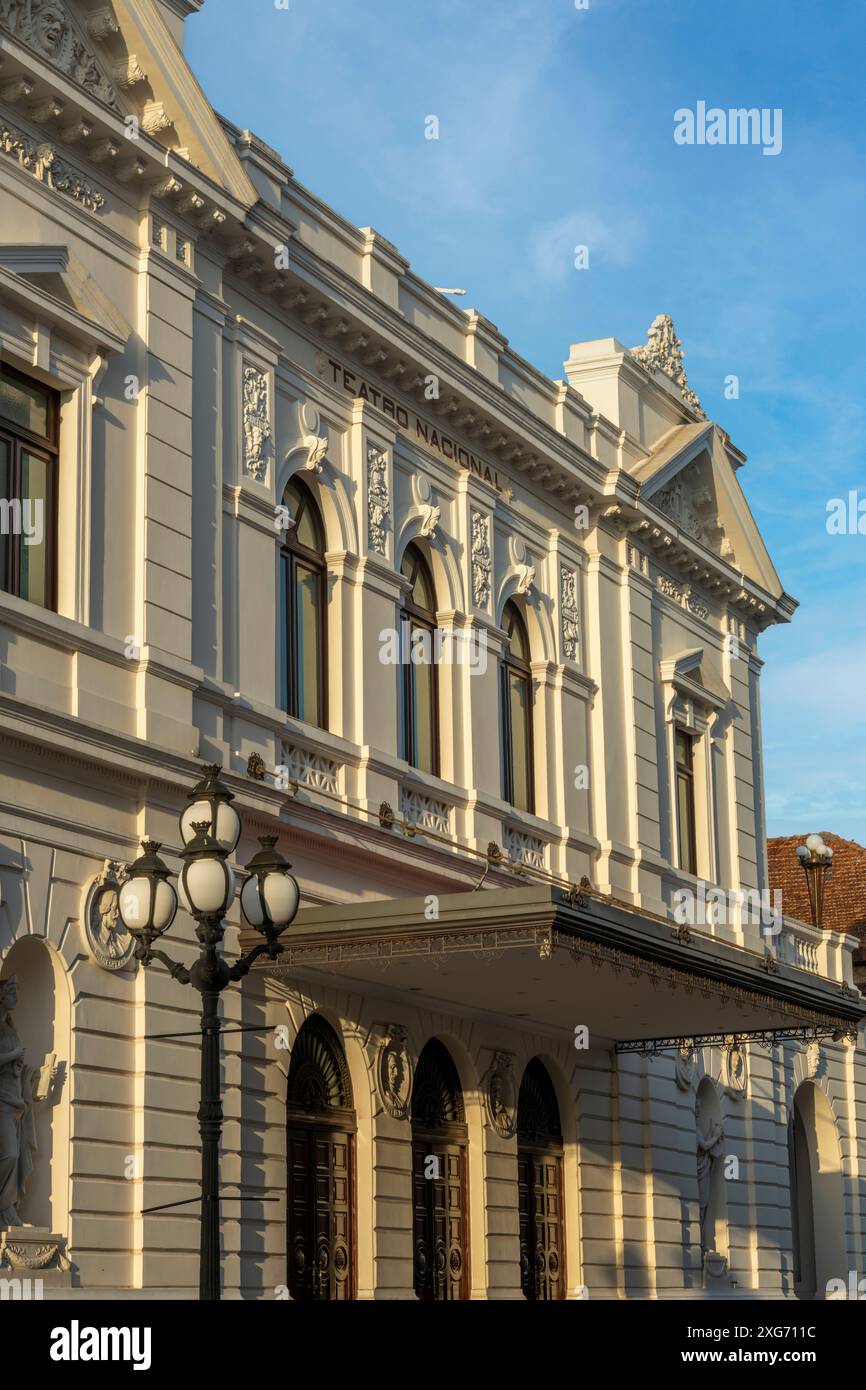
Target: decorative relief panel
[(482, 560), (105, 936), (46, 26), (668, 587), (523, 849), (428, 813), (378, 500), (257, 427), (695, 606), (682, 595), (314, 438), (735, 1071), (395, 1072), (500, 1094), (44, 163), (311, 769), (429, 514), (520, 562), (569, 614), (673, 502)]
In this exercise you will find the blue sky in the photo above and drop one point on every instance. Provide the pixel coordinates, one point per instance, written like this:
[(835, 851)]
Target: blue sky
[(556, 128)]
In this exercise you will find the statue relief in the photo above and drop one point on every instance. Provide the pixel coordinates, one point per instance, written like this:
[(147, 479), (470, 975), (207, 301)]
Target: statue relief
[(395, 1073), (501, 1096), (45, 26), (21, 1087), (710, 1151)]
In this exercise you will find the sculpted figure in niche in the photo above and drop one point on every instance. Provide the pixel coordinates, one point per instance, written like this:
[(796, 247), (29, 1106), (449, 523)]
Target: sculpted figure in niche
[(20, 1088), (710, 1150)]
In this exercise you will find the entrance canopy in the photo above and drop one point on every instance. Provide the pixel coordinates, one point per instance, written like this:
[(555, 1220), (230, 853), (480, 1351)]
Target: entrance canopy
[(560, 959)]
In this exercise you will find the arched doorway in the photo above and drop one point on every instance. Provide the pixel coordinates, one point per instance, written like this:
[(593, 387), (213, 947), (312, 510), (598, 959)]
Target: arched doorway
[(320, 1157), (539, 1186), (439, 1138), (817, 1198)]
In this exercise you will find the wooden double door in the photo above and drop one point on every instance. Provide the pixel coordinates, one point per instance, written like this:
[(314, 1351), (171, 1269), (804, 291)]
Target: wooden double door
[(539, 1188), (321, 1182), (439, 1218)]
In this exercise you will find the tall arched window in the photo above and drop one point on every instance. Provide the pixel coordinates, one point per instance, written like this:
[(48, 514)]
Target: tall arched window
[(419, 722), (320, 1157), (302, 609), (516, 713), (439, 1136), (539, 1186)]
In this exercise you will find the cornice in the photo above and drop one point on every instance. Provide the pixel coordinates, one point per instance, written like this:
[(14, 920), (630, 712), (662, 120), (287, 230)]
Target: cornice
[(53, 310)]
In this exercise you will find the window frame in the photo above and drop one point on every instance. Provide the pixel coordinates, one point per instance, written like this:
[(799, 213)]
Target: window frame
[(292, 556), (417, 617), (20, 440), (510, 664), (684, 773)]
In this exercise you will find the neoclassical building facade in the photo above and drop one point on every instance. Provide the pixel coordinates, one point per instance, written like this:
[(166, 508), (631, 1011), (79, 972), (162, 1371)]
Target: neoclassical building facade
[(481, 649)]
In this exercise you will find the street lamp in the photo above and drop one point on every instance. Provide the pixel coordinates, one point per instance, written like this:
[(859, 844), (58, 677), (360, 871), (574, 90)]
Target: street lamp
[(147, 904), (815, 858)]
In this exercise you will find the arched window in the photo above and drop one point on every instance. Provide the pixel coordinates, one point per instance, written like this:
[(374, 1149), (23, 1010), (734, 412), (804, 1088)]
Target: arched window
[(539, 1186), (419, 722), (439, 1136), (320, 1158), (302, 609), (516, 713)]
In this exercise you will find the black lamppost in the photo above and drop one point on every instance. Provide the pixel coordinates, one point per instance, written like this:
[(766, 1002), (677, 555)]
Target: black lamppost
[(148, 903), (815, 857)]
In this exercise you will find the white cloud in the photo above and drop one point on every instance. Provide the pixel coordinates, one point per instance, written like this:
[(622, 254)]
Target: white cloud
[(611, 240)]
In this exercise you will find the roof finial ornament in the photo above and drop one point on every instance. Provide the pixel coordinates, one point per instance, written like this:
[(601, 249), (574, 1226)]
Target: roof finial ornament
[(664, 350)]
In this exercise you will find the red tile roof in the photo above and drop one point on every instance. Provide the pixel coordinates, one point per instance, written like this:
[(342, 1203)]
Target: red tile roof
[(845, 891)]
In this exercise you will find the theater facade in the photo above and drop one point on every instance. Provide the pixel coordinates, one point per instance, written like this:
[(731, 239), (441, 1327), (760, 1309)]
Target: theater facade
[(480, 648)]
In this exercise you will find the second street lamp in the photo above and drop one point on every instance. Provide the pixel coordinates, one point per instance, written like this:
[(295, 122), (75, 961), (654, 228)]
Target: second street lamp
[(147, 903), (815, 858)]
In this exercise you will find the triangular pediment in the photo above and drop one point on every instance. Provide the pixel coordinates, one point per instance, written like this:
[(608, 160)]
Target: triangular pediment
[(124, 56), (691, 479)]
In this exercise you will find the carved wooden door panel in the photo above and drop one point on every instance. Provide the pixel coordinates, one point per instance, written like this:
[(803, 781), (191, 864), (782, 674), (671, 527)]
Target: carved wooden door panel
[(439, 1220), (319, 1206), (539, 1179)]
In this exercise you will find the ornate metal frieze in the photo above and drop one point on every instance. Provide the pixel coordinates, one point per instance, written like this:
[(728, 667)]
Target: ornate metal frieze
[(482, 560), (105, 936), (569, 618), (426, 812), (663, 351), (310, 769), (44, 163), (257, 427), (47, 28), (378, 500)]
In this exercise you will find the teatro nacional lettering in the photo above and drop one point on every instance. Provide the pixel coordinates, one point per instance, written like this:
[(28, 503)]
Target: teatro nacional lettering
[(412, 424)]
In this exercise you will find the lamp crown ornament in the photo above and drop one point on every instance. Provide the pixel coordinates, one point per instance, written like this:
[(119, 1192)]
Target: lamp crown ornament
[(815, 859)]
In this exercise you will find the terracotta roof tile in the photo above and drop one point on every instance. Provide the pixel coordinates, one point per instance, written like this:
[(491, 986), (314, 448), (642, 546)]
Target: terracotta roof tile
[(845, 891)]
